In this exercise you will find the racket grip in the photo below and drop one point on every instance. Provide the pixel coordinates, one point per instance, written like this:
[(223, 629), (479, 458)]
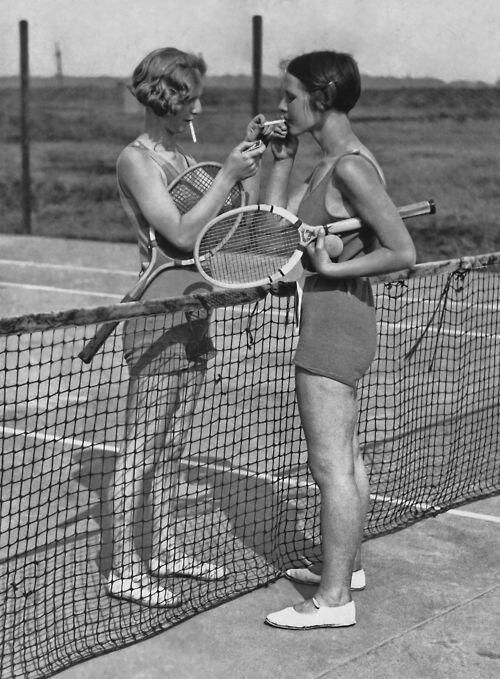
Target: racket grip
[(104, 331), (425, 207), (92, 347)]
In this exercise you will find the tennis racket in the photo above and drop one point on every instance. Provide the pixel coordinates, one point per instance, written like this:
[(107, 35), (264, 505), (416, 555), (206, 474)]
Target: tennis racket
[(260, 244), (186, 190)]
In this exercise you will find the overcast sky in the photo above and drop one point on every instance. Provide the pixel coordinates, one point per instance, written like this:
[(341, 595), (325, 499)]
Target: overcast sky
[(447, 39)]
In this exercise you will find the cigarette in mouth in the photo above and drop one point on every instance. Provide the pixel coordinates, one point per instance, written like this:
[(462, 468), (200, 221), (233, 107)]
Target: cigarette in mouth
[(272, 122), (193, 133)]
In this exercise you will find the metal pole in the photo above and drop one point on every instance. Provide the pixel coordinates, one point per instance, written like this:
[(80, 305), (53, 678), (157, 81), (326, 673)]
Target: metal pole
[(25, 132), (256, 62)]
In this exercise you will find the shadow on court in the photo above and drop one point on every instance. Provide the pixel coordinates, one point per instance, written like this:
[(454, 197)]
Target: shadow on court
[(431, 609)]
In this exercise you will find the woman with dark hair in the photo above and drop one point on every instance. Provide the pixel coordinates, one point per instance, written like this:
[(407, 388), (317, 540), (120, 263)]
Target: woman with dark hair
[(167, 356), (337, 340)]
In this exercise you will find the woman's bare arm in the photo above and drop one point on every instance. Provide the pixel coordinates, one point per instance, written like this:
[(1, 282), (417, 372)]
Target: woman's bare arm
[(359, 183)]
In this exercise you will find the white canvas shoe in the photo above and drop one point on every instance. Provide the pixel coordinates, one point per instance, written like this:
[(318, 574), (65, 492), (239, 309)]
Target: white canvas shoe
[(322, 616), (189, 567), (141, 590)]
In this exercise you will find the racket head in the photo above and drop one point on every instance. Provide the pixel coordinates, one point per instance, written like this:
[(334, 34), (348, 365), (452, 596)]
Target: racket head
[(192, 184), (188, 188), (249, 246)]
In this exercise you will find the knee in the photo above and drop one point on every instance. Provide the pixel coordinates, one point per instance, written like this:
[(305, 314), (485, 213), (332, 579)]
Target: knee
[(329, 471)]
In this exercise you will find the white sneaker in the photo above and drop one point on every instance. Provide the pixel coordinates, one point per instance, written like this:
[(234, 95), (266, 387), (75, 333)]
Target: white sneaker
[(322, 616), (187, 566), (141, 590)]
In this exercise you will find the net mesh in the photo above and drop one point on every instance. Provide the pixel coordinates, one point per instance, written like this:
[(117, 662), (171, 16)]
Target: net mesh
[(224, 489)]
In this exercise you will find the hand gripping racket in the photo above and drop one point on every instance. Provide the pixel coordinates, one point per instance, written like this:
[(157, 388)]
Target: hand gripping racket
[(260, 244), (186, 190)]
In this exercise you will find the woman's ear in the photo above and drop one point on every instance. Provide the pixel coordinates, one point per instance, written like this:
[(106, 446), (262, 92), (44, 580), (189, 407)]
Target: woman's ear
[(324, 98), (317, 100), (330, 94)]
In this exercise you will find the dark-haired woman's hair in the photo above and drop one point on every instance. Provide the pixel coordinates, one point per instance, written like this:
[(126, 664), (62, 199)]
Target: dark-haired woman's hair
[(166, 78), (331, 78)]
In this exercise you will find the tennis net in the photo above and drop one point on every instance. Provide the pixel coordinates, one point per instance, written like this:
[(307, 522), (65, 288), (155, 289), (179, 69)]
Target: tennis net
[(238, 497)]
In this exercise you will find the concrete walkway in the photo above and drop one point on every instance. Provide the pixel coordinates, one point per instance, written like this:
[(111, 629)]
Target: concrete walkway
[(431, 610)]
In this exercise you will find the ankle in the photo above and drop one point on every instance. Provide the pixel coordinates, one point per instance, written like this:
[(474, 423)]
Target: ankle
[(332, 599)]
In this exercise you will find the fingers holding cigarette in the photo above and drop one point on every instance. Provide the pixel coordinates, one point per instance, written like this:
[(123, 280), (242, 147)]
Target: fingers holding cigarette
[(278, 121), (274, 129)]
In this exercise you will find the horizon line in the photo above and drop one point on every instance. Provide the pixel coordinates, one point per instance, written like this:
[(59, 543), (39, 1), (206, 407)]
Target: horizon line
[(263, 75)]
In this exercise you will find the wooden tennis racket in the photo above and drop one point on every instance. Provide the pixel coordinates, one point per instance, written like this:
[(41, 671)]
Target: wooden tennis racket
[(186, 190), (260, 244)]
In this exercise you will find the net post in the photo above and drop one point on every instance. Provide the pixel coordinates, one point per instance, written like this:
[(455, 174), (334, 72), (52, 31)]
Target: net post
[(25, 131), (256, 62)]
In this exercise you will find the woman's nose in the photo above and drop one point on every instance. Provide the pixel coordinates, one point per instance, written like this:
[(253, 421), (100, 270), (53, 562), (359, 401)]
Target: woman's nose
[(282, 106)]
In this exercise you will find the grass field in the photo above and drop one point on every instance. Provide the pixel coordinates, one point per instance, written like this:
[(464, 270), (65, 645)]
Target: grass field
[(432, 143)]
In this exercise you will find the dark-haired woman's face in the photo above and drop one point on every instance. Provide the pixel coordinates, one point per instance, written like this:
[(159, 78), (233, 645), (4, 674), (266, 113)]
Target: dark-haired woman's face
[(295, 106)]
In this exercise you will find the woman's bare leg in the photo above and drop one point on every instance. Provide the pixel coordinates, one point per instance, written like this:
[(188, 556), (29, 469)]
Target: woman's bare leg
[(165, 490), (363, 486), (138, 460), (329, 418), (362, 483)]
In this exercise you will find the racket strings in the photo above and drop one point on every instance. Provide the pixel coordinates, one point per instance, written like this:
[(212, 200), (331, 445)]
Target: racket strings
[(247, 246), (195, 183), (234, 198)]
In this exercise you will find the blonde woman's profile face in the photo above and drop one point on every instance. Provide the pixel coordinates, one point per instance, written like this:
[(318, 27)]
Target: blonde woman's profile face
[(178, 121)]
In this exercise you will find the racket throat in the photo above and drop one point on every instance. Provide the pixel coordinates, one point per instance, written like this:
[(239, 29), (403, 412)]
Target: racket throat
[(307, 234)]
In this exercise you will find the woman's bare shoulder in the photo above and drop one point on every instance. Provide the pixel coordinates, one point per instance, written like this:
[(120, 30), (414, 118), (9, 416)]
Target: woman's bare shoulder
[(133, 162), (355, 168), (131, 153)]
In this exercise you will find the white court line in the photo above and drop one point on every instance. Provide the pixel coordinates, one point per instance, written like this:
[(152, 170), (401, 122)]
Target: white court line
[(75, 443), (50, 288), (432, 329), (108, 295), (474, 515), (395, 501), (81, 443), (424, 506), (64, 267), (50, 438), (488, 306), (122, 272), (67, 267)]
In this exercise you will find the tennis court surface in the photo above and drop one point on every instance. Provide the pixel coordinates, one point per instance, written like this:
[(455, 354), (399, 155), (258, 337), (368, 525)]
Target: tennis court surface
[(429, 426)]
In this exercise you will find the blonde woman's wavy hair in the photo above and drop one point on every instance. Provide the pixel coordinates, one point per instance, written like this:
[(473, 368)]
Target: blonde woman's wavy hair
[(165, 79)]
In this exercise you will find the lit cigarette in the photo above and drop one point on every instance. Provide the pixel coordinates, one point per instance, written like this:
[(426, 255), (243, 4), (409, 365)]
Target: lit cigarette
[(272, 122), (193, 133)]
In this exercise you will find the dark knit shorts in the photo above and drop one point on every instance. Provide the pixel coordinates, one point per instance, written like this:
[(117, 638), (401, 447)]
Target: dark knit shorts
[(338, 330)]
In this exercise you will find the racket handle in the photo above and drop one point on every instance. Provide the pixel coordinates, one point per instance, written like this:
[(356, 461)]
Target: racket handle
[(92, 347), (425, 207), (104, 331)]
